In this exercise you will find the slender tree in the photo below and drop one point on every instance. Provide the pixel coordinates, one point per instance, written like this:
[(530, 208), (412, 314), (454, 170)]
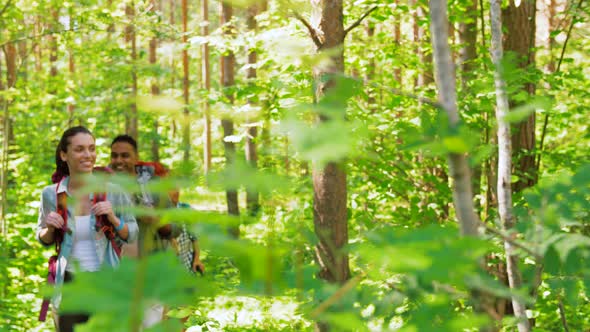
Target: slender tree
[(155, 88), (53, 49), (518, 19), (397, 38), (38, 46), (10, 54), (445, 80), (329, 182), (467, 57), (227, 81), (4, 170), (130, 37), (185, 82), (505, 165), (71, 70), (252, 197), (425, 76), (370, 71), (206, 85)]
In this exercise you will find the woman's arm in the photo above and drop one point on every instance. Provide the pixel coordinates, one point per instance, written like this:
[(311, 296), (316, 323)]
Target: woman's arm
[(48, 219)]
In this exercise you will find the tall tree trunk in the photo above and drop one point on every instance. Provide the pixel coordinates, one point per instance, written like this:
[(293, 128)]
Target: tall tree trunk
[(519, 24), (10, 55), (329, 182), (416, 35), (397, 38), (186, 138), (131, 115), (370, 70), (4, 169), (227, 81), (445, 80), (71, 70), (505, 165), (38, 45), (155, 149), (23, 58), (551, 42), (425, 78), (252, 197), (468, 54), (53, 50), (206, 85)]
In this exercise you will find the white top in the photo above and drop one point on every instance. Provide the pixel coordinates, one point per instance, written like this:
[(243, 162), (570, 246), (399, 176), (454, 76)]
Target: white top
[(83, 248)]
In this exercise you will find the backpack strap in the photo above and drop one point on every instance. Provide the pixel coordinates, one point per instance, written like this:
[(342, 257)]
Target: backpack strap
[(62, 210), (103, 225)]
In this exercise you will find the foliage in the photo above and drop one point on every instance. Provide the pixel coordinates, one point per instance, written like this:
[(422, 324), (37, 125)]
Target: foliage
[(410, 269)]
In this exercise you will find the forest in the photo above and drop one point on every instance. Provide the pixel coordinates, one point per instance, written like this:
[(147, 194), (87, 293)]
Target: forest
[(366, 165)]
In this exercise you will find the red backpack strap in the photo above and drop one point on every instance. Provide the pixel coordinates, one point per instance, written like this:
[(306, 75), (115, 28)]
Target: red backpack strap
[(62, 210), (103, 225)]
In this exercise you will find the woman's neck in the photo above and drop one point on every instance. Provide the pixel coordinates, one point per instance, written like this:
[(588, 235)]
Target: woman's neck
[(76, 181)]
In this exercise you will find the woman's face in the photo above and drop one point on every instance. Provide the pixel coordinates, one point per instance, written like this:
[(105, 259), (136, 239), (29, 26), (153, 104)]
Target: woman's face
[(81, 154)]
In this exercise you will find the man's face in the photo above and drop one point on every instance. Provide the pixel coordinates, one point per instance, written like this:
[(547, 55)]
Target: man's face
[(123, 158)]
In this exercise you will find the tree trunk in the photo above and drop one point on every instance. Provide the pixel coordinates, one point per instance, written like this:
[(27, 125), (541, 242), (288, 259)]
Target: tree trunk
[(23, 55), (186, 139), (38, 49), (329, 182), (155, 149), (227, 81), (397, 37), (416, 35), (468, 54), (72, 72), (10, 54), (519, 24), (4, 169), (53, 50), (370, 70), (131, 118), (425, 76), (252, 197), (505, 165), (206, 85), (445, 80)]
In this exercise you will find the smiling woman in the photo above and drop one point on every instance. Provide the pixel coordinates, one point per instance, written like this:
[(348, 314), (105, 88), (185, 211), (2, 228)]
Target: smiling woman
[(85, 234)]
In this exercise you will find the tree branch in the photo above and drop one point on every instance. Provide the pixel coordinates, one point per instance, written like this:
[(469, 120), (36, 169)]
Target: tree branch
[(42, 34), (358, 22), (5, 7), (562, 315), (513, 242), (312, 31), (394, 91), (337, 295)]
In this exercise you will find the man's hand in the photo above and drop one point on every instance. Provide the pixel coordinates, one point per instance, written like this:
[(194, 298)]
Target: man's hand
[(198, 266)]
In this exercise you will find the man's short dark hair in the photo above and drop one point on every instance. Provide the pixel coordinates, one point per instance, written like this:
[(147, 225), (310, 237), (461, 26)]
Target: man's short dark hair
[(125, 139)]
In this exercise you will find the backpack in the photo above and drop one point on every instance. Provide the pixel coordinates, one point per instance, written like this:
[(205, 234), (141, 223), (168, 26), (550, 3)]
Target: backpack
[(101, 225), (159, 169), (183, 244)]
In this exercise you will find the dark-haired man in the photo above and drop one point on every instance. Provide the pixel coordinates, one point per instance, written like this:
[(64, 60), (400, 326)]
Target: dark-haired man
[(124, 160), (152, 236)]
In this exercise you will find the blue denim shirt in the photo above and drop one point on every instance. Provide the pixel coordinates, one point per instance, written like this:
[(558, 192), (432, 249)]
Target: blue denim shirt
[(104, 249)]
